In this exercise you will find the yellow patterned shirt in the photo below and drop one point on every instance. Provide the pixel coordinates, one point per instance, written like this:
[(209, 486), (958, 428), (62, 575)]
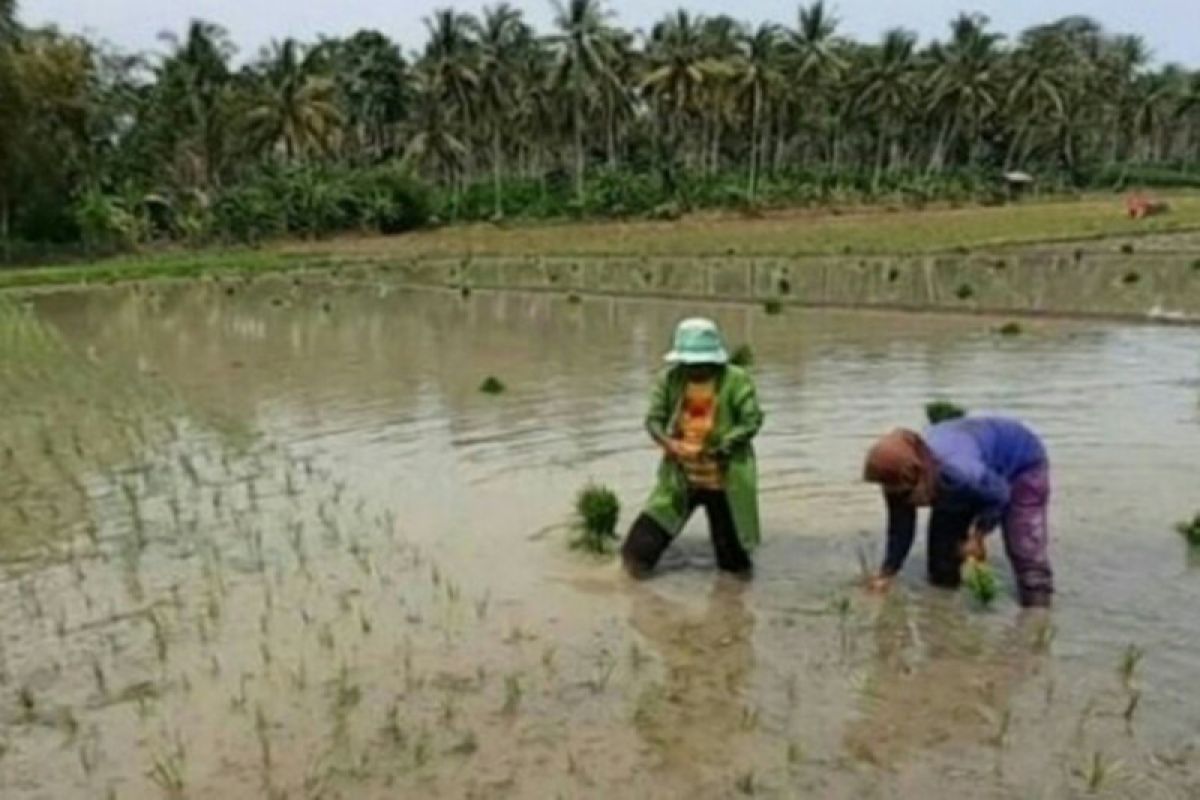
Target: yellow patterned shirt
[(696, 420)]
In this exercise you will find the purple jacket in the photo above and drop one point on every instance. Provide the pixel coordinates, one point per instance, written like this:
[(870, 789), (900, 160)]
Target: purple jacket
[(978, 457)]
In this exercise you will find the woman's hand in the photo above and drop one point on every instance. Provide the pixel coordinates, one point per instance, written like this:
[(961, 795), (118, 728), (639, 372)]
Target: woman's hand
[(679, 450), (880, 583), (974, 547)]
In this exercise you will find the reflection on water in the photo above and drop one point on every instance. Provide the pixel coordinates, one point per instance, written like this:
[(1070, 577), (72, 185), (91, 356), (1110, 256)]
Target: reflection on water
[(697, 719), (269, 539)]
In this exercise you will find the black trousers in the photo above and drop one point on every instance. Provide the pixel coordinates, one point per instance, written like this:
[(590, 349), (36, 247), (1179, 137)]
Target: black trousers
[(948, 528), (647, 540)]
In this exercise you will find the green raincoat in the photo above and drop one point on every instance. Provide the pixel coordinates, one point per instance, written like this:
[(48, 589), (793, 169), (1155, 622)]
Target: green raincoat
[(737, 422)]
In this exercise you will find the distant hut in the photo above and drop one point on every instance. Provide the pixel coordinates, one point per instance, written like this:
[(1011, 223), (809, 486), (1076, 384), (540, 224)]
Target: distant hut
[(1017, 183)]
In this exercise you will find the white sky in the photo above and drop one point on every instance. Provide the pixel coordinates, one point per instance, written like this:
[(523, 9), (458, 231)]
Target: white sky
[(1167, 25)]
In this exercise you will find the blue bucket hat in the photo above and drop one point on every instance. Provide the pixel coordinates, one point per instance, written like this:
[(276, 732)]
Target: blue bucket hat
[(697, 341)]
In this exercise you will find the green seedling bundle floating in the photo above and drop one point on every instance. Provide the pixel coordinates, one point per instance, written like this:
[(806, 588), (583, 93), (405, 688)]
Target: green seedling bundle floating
[(492, 385), (596, 511), (743, 356), (1190, 531), (980, 582), (942, 410)]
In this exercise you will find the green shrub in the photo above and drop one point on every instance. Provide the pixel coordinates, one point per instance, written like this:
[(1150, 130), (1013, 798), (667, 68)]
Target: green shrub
[(597, 510), (107, 223), (943, 410), (1010, 329), (248, 214), (773, 307), (390, 201)]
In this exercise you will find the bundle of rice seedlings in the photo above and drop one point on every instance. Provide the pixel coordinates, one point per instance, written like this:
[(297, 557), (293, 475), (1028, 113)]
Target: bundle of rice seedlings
[(596, 510)]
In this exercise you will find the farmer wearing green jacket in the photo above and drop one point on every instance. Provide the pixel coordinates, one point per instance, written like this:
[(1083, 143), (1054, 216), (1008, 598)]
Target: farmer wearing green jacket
[(704, 416)]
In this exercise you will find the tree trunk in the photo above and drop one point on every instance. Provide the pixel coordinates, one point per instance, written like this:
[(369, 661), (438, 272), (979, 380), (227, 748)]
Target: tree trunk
[(497, 171), (938, 159), (880, 151), (579, 155), (612, 138), (755, 116), (5, 215)]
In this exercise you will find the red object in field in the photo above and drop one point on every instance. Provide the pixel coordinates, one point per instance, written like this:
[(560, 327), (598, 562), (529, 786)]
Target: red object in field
[(1139, 206), (1136, 205)]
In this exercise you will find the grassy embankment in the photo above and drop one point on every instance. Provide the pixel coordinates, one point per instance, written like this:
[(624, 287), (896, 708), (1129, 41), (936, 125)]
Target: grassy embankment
[(861, 232)]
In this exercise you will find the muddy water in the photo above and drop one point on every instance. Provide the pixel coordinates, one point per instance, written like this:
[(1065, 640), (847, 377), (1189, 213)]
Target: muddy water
[(270, 540)]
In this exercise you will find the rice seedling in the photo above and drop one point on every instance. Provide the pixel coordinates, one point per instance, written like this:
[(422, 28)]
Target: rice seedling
[(636, 657), (492, 385), (792, 689), (943, 410), (481, 606), (27, 703), (261, 730), (1190, 531), (347, 694), (1131, 707), (743, 356), (466, 746), (392, 728), (167, 773), (1097, 772), (68, 723), (1043, 637), (865, 570), (747, 784), (512, 694), (750, 717), (980, 582), (605, 666), (421, 749), (98, 675), (161, 645), (597, 510), (1131, 658)]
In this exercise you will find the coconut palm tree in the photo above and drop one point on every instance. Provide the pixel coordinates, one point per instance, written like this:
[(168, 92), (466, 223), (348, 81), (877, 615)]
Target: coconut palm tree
[(371, 76), (759, 76), (295, 111), (679, 68), (584, 49), (887, 89), (192, 111), (434, 141), (502, 37), (964, 81)]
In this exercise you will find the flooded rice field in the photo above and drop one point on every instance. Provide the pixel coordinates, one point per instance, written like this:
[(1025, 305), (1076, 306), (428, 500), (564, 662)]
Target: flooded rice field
[(270, 540)]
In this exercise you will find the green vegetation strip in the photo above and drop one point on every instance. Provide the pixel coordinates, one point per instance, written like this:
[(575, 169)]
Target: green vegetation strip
[(176, 265), (870, 231)]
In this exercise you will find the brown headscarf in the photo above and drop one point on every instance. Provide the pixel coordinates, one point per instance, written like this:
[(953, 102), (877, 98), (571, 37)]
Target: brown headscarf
[(902, 461)]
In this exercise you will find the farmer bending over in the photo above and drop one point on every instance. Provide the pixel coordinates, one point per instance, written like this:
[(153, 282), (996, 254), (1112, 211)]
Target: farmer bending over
[(704, 415), (976, 473)]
